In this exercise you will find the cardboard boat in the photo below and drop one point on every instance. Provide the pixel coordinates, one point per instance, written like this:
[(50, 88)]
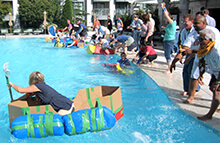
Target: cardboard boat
[(109, 96)]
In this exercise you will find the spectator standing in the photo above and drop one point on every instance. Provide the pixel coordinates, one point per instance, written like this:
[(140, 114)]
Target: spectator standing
[(146, 30), (109, 24), (96, 22), (169, 37), (120, 26), (210, 20)]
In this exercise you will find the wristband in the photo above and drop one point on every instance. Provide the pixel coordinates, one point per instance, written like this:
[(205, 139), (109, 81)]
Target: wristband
[(164, 9)]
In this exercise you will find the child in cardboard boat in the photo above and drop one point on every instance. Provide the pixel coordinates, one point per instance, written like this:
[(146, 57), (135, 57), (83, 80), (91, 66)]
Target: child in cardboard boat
[(45, 93)]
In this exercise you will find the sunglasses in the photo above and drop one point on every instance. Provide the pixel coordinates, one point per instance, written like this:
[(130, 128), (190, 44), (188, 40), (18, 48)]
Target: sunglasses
[(201, 39)]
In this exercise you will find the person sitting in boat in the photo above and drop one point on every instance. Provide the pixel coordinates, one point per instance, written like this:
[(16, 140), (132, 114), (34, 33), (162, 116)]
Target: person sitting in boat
[(123, 61), (103, 42), (146, 51), (75, 41), (45, 93)]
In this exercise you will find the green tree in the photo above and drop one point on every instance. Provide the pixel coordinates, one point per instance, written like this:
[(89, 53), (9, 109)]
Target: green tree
[(31, 12), (5, 8), (78, 13), (67, 13)]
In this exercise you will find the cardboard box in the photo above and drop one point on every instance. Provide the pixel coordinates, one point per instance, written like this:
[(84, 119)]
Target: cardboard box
[(109, 96), (18, 108), (85, 99), (80, 44)]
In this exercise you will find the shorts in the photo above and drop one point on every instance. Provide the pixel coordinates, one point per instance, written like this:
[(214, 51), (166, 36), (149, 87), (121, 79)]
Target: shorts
[(195, 69), (65, 112), (212, 80), (131, 47), (129, 41), (151, 57)]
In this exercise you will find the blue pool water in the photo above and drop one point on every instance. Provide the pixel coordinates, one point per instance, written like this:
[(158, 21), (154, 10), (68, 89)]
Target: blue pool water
[(150, 116)]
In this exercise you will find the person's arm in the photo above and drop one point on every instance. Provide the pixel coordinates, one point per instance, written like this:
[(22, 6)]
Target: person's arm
[(122, 25), (166, 13), (29, 89), (150, 28), (135, 56), (64, 28), (71, 44)]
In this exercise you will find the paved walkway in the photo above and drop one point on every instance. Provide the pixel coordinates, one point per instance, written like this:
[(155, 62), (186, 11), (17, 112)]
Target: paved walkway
[(172, 84)]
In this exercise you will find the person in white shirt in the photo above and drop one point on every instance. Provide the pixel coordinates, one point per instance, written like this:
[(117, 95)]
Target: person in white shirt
[(209, 54), (210, 20)]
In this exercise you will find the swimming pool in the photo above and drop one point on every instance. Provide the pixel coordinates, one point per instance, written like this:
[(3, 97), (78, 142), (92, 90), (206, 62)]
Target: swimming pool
[(150, 116)]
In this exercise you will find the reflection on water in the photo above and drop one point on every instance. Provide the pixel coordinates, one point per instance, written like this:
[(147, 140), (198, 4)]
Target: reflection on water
[(150, 116)]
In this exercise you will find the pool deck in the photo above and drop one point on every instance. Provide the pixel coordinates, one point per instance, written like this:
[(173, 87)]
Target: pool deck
[(172, 84)]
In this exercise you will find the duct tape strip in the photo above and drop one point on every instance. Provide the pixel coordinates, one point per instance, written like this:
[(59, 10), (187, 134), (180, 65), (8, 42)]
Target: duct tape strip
[(30, 126), (92, 89), (111, 102), (41, 126), (25, 110), (88, 98), (72, 125), (101, 114), (86, 124), (117, 110), (48, 121), (37, 108), (93, 119)]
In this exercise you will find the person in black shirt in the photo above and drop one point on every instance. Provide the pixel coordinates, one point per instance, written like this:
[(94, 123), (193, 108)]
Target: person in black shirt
[(109, 24)]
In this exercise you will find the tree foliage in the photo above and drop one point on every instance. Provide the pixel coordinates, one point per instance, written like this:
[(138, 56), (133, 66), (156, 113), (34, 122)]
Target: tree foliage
[(67, 13), (78, 13), (31, 12), (5, 8)]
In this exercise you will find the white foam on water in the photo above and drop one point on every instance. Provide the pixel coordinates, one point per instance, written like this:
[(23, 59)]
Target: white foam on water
[(141, 138)]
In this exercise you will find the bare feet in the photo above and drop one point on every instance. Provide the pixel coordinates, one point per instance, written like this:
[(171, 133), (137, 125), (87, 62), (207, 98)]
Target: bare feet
[(187, 101), (204, 118), (167, 72), (184, 93), (197, 92)]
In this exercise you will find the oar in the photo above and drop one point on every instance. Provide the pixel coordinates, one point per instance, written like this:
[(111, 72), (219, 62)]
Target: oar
[(7, 75)]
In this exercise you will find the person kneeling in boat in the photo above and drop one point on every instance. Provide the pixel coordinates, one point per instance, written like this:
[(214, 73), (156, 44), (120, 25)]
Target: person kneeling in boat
[(75, 41), (146, 51), (46, 94)]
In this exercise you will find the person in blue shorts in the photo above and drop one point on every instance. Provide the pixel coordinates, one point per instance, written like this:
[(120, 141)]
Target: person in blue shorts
[(45, 93), (123, 61)]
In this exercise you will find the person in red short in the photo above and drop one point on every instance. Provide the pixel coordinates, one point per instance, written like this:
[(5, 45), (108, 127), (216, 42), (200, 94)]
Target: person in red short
[(146, 51)]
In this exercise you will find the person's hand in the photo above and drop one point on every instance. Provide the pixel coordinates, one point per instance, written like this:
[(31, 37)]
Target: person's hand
[(163, 4), (172, 67), (200, 80), (9, 85), (162, 27)]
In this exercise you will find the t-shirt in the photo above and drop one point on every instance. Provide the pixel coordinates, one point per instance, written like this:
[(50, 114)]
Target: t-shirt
[(76, 42), (96, 23), (82, 25), (50, 96), (170, 31), (122, 38), (125, 62), (149, 49), (110, 25)]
